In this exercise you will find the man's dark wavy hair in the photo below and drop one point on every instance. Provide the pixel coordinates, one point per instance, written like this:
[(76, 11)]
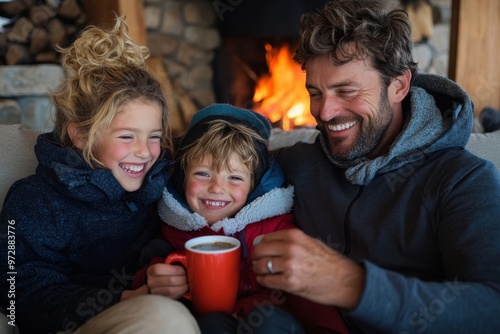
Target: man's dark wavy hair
[(358, 29)]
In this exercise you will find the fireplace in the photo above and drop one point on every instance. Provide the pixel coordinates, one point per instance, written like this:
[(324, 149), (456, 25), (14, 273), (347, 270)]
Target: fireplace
[(254, 67)]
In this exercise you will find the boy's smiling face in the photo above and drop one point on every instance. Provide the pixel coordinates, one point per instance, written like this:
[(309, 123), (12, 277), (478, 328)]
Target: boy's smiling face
[(216, 195)]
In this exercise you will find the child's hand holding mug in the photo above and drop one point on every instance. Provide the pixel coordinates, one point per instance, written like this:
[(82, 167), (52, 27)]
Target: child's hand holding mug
[(167, 280), (213, 269)]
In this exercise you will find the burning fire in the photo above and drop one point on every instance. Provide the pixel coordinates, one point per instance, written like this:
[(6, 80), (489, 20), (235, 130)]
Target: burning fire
[(281, 95)]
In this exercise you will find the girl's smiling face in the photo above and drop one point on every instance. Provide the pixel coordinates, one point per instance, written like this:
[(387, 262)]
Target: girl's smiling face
[(216, 195), (131, 144)]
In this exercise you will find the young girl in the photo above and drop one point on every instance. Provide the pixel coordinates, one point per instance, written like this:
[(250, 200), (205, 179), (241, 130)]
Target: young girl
[(82, 220), (226, 183)]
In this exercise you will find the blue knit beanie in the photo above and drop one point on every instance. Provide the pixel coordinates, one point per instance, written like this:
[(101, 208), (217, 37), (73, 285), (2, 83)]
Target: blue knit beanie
[(199, 125), (226, 111)]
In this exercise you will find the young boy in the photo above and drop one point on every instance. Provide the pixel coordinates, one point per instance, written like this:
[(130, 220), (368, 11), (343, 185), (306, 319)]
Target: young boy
[(226, 183)]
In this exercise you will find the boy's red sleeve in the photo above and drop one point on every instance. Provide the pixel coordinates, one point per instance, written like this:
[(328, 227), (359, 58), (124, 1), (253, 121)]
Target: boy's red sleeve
[(141, 277)]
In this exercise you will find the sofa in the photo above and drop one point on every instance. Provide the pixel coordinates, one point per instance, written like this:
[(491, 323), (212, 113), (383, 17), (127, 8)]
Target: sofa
[(18, 158)]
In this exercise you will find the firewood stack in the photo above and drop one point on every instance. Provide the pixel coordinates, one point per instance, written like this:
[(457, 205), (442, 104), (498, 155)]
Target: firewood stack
[(36, 27)]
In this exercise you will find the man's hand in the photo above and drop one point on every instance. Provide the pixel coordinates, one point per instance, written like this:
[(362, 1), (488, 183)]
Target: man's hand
[(167, 280), (307, 267)]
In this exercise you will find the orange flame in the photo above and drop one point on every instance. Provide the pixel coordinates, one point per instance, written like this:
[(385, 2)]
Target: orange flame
[(281, 95)]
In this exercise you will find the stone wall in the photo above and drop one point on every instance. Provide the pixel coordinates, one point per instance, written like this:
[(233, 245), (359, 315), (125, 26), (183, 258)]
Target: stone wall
[(183, 32)]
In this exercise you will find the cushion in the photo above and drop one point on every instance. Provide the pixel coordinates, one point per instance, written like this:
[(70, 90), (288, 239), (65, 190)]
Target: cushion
[(18, 158), (486, 146)]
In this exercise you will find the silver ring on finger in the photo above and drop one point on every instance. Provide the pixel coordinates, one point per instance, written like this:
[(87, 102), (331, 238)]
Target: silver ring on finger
[(270, 268)]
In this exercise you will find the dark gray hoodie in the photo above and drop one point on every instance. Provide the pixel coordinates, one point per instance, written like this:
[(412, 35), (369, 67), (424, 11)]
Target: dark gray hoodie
[(423, 219)]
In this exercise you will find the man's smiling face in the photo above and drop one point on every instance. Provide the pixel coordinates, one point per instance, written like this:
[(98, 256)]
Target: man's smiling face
[(351, 106)]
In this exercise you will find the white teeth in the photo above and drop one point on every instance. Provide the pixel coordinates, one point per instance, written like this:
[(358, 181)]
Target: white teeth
[(340, 127), (132, 168), (213, 203)]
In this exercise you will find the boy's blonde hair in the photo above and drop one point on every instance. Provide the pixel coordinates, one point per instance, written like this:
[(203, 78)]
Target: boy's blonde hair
[(220, 141), (104, 70)]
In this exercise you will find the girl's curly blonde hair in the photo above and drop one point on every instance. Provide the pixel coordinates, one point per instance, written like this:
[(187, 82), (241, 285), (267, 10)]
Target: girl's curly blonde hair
[(104, 69)]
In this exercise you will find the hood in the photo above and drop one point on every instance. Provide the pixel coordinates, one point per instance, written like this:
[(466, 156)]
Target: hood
[(440, 116), (175, 213), (267, 200), (66, 170)]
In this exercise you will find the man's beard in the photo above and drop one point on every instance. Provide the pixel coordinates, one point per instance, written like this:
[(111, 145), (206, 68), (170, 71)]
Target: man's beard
[(370, 137)]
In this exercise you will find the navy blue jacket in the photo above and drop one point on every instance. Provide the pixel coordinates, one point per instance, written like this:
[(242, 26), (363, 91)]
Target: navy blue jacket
[(77, 236)]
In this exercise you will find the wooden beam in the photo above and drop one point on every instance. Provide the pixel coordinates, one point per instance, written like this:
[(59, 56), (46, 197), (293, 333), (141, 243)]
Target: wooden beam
[(102, 13), (474, 51)]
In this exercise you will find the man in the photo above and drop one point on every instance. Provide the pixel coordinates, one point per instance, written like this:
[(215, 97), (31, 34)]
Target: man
[(401, 223)]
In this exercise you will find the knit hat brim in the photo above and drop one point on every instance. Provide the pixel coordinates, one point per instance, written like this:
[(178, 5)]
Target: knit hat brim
[(253, 119)]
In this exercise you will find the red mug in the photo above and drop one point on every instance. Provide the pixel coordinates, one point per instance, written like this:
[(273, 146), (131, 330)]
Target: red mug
[(213, 268)]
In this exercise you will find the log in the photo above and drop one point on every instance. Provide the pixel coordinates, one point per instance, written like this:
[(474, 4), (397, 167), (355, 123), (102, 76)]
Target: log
[(41, 14), (57, 31), (46, 57), (157, 69), (17, 54), (39, 41), (21, 31), (3, 43), (69, 9), (188, 108), (181, 106), (13, 8)]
